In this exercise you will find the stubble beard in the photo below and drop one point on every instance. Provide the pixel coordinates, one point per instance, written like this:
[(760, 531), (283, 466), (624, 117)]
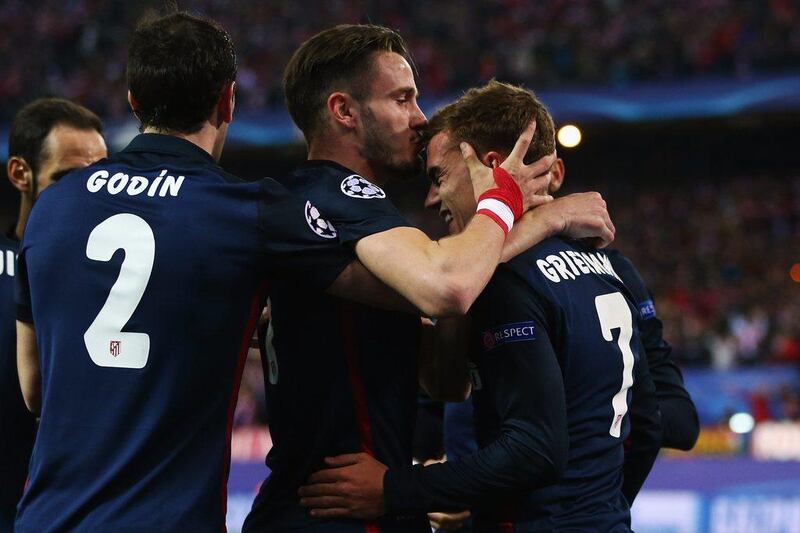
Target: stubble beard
[(378, 151)]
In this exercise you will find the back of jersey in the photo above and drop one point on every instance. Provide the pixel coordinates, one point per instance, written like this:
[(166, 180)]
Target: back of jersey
[(591, 325), (144, 272)]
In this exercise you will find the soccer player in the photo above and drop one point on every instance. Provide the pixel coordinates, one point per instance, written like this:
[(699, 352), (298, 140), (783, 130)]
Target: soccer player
[(48, 138), (343, 377), (139, 281), (555, 345), (679, 425)]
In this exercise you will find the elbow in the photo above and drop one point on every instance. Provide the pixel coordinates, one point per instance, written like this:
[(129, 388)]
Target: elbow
[(451, 297), (32, 394)]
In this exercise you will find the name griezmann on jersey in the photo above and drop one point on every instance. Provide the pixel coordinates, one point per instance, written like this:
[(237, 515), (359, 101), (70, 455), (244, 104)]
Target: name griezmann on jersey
[(569, 265), (134, 185)]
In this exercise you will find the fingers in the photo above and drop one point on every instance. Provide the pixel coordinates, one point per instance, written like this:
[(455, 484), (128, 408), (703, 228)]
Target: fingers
[(325, 502), (346, 459), (327, 475), (319, 489), (523, 142), (470, 157)]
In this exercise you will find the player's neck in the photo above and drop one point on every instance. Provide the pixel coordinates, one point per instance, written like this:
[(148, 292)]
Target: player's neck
[(346, 155), (206, 138), (25, 206)]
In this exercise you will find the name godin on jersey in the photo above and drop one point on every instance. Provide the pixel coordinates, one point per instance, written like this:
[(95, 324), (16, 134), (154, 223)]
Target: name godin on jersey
[(570, 265), (8, 261), (134, 185)]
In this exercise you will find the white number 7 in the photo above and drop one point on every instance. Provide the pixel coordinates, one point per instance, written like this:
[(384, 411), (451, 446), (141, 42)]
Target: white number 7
[(105, 341), (613, 312)]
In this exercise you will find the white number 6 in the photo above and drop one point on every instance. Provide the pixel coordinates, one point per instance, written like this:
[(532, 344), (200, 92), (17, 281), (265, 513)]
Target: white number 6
[(105, 341)]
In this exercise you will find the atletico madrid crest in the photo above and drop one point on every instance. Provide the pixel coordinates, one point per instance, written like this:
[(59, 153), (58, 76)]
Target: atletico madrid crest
[(113, 348)]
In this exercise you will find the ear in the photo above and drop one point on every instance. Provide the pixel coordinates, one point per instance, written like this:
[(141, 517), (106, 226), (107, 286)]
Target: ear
[(342, 110), (492, 159), (226, 103), (132, 101), (19, 174), (557, 172)]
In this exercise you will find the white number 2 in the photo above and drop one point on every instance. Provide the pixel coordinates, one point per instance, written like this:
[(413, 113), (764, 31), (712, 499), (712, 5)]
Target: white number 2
[(105, 341), (613, 312)]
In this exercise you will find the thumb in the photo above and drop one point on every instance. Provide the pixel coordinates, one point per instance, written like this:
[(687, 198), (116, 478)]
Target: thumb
[(471, 159)]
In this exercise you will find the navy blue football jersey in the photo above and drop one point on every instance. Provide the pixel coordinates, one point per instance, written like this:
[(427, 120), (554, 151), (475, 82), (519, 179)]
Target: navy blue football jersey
[(341, 377), (555, 350), (143, 275), (17, 425)]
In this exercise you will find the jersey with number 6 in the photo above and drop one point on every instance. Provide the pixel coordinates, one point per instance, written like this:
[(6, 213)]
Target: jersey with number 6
[(562, 301), (143, 275)]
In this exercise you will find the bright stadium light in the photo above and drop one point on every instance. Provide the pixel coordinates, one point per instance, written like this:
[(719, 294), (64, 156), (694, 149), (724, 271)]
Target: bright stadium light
[(569, 136), (741, 423)]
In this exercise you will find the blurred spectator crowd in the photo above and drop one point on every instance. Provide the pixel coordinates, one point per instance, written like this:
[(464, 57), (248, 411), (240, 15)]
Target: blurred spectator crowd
[(77, 48), (718, 256)]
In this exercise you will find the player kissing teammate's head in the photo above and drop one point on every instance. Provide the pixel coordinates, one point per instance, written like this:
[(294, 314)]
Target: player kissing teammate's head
[(181, 97), (352, 87), (490, 118)]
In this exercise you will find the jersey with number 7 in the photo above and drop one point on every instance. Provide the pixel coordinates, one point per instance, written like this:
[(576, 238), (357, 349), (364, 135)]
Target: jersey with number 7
[(143, 275), (556, 352)]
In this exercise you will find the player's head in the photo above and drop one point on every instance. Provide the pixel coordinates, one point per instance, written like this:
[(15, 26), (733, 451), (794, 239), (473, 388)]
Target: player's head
[(354, 84), (490, 118), (48, 138), (181, 76)]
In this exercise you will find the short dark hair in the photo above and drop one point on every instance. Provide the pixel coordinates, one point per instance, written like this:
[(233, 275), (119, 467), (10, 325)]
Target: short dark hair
[(178, 65), (34, 122), (492, 117), (338, 58)]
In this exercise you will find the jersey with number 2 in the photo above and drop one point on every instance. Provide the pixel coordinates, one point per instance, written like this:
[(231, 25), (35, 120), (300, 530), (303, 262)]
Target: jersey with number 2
[(143, 275)]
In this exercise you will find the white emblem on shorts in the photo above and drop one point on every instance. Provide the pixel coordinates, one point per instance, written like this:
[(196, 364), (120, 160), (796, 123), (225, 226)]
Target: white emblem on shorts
[(319, 225), (357, 187)]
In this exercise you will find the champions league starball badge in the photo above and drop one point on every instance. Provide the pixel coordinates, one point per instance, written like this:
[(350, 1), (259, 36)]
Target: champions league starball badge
[(357, 187), (319, 225)]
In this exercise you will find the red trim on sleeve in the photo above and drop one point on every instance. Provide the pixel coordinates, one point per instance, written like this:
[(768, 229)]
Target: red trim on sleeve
[(255, 311)]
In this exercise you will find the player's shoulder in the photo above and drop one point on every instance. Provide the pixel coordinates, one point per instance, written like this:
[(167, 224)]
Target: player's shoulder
[(557, 260), (332, 177)]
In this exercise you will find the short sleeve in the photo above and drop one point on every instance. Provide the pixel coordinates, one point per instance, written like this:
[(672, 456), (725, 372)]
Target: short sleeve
[(356, 218), (300, 242)]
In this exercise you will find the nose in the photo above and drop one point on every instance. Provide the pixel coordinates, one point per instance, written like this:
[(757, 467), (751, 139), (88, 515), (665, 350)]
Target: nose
[(432, 200), (418, 118)]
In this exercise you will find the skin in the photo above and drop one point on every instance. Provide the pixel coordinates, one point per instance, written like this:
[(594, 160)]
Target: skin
[(210, 137), (352, 485), (377, 137), (65, 148)]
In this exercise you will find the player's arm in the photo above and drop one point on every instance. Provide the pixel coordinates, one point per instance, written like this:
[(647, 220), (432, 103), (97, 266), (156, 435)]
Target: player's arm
[(30, 378), (644, 441), (531, 451), (577, 216), (532, 448), (444, 277), (443, 359), (679, 423)]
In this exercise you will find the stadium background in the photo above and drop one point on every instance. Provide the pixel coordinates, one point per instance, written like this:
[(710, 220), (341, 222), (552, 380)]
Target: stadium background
[(690, 115)]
